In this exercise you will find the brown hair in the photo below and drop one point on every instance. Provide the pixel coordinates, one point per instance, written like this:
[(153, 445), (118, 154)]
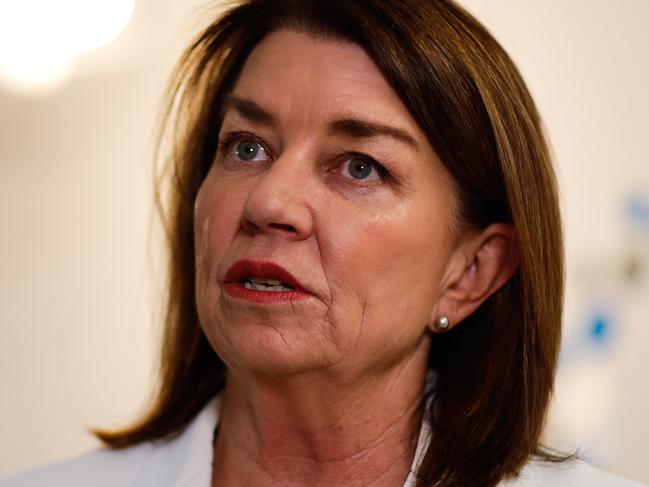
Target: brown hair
[(496, 369)]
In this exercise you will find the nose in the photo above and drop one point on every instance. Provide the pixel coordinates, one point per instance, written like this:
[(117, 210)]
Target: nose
[(277, 203)]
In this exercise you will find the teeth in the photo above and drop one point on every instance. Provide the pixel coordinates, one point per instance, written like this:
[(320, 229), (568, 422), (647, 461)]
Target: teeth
[(267, 282), (257, 286)]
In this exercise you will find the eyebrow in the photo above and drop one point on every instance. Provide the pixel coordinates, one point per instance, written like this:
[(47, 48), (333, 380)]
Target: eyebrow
[(250, 110), (350, 127), (357, 128)]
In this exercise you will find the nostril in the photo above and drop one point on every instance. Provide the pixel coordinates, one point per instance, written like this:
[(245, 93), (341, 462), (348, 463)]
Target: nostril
[(284, 227)]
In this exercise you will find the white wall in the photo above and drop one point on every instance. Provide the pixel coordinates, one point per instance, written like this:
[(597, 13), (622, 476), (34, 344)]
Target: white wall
[(78, 274), (587, 65)]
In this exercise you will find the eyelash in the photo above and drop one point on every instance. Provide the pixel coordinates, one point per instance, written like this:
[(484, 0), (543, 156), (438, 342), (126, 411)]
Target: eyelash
[(380, 169), (227, 143)]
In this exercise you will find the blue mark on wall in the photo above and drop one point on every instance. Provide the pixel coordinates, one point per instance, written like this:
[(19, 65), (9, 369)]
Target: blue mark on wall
[(600, 329), (637, 210)]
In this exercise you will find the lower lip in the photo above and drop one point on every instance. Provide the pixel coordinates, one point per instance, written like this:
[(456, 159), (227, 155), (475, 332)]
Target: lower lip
[(237, 290)]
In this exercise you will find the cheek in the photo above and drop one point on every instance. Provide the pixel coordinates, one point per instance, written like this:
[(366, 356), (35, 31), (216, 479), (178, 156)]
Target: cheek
[(392, 264), (217, 213), (201, 240)]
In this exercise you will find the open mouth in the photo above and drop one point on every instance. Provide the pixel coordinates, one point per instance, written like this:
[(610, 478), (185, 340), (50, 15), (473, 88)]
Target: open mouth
[(262, 281), (262, 284)]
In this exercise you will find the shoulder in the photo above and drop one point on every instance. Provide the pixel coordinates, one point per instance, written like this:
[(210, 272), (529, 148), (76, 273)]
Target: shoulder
[(184, 460), (99, 468), (567, 474)]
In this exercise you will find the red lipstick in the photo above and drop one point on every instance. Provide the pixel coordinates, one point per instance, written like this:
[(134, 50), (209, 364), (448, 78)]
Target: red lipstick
[(262, 282)]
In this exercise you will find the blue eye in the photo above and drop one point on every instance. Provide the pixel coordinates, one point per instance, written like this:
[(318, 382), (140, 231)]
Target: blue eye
[(249, 150), (361, 169)]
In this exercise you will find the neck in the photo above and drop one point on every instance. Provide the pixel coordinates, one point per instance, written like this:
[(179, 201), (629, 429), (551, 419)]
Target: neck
[(319, 430)]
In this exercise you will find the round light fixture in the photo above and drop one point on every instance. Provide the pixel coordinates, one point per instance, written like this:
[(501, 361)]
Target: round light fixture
[(39, 39)]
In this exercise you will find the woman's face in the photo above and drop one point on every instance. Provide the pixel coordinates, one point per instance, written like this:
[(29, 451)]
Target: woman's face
[(322, 172)]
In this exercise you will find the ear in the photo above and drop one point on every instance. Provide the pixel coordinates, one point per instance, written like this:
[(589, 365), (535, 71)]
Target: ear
[(480, 266)]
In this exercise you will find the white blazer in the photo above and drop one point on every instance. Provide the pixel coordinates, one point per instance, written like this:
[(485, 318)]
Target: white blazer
[(186, 461)]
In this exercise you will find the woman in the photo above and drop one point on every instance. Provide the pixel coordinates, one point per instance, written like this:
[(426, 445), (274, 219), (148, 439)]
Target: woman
[(366, 261)]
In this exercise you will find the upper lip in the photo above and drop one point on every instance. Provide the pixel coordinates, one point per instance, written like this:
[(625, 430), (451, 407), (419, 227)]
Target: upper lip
[(245, 269)]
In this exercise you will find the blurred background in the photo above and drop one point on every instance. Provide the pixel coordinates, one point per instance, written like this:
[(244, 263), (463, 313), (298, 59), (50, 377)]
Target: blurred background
[(81, 83)]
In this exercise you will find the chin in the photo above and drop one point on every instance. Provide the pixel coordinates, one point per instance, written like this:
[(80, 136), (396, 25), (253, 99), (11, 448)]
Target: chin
[(266, 349)]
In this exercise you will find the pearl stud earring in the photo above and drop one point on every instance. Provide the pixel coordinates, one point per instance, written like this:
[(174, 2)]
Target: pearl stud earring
[(442, 323)]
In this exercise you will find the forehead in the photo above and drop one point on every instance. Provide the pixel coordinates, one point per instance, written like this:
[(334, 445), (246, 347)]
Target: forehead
[(327, 76)]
